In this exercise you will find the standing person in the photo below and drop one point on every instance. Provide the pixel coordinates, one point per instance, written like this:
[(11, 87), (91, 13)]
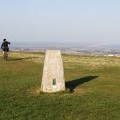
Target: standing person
[(5, 49)]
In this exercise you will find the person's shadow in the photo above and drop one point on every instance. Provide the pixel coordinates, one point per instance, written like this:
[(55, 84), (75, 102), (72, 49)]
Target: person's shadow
[(17, 59), (71, 85)]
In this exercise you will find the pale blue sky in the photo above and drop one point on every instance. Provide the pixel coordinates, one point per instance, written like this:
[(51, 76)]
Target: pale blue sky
[(95, 21)]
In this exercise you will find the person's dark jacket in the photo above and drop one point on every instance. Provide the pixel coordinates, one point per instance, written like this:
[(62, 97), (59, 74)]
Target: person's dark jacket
[(4, 45)]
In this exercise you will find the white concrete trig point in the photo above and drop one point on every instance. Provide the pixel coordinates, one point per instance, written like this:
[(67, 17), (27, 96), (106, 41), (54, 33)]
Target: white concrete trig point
[(53, 72)]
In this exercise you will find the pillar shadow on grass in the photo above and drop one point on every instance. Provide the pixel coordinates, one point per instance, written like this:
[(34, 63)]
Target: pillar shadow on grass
[(71, 85)]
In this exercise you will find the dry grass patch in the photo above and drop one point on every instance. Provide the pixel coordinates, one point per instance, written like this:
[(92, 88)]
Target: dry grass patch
[(34, 91)]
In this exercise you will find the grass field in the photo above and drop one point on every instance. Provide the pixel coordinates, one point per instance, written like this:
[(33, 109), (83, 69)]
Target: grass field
[(92, 89)]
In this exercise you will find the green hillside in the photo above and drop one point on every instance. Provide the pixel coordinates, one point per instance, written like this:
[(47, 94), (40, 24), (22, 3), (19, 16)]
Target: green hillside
[(92, 89)]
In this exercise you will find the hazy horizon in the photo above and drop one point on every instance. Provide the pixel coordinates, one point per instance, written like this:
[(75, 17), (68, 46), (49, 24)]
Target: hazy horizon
[(65, 45), (60, 21)]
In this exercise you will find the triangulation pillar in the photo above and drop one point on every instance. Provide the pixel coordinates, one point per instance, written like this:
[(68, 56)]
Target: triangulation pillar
[(53, 72)]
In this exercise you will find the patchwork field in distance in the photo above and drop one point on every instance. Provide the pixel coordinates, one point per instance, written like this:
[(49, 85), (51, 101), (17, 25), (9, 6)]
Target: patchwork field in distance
[(92, 88)]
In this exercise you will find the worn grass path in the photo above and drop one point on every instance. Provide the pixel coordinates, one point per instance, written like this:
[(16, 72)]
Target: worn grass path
[(92, 89)]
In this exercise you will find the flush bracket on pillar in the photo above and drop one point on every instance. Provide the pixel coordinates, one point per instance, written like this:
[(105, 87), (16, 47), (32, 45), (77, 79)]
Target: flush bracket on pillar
[(54, 81)]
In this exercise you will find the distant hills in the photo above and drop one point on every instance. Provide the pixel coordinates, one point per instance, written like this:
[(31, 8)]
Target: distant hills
[(80, 48)]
